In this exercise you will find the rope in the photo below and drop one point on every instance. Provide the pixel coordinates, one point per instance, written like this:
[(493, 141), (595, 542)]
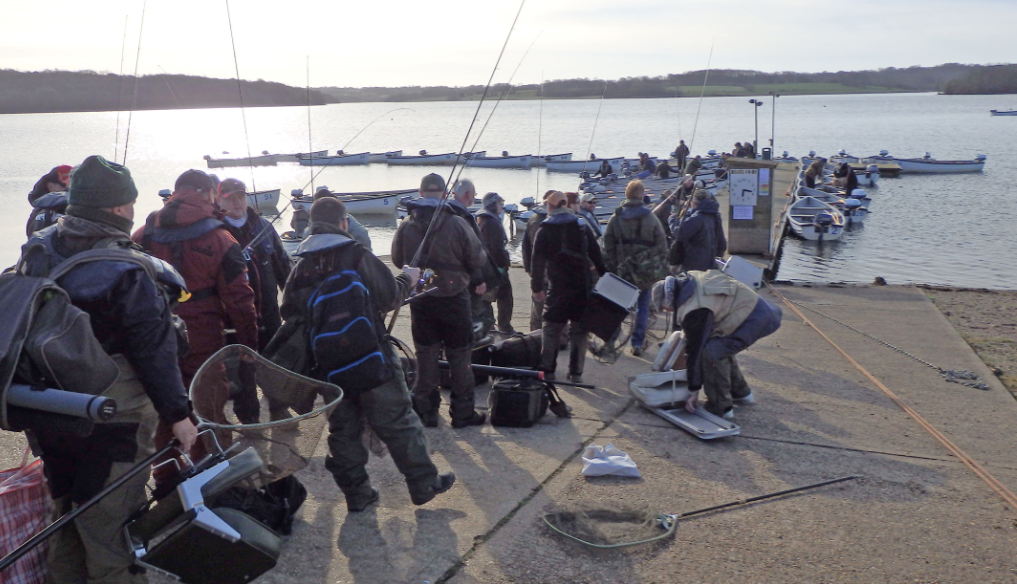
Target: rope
[(972, 464), (960, 376)]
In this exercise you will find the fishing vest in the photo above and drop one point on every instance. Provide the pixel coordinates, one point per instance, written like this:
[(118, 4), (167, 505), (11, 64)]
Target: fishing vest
[(729, 300)]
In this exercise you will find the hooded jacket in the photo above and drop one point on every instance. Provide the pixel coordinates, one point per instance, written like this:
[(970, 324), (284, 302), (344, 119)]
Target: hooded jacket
[(592, 221), (532, 225), (187, 233), (699, 239), (632, 230), (563, 252), (452, 249), (267, 269), (492, 235)]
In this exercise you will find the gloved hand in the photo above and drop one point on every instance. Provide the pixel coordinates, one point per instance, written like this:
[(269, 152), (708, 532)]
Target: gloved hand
[(413, 273)]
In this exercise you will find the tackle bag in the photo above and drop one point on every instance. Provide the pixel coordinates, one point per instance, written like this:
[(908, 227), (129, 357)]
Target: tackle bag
[(517, 403), (517, 351), (275, 504), (346, 330)]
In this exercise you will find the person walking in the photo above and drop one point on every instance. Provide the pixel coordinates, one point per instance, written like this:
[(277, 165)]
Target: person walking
[(635, 249), (330, 252), (130, 315), (490, 221), (446, 244), (565, 253)]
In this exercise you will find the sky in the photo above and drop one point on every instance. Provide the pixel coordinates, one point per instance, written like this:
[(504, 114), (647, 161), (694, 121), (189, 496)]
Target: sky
[(443, 42)]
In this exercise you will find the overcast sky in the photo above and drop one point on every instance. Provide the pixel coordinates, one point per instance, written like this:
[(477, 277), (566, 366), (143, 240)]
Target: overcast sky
[(444, 42)]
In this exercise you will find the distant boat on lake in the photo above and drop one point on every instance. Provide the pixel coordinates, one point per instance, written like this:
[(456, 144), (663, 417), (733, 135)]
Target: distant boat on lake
[(1002, 113)]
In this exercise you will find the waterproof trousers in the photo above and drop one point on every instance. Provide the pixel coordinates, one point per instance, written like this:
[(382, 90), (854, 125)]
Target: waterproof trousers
[(388, 410), (438, 322), (642, 319), (505, 305), (92, 549), (536, 316), (549, 349)]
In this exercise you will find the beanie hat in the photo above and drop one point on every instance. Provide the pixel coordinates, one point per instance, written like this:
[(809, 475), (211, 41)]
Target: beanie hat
[(490, 199), (101, 184), (196, 180)]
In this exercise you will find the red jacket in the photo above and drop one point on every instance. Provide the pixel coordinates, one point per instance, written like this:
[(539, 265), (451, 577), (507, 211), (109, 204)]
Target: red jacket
[(188, 234)]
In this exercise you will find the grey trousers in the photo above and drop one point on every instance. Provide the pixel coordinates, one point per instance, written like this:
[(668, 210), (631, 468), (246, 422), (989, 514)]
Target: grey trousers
[(389, 411), (722, 383), (425, 391), (577, 347), (536, 316)]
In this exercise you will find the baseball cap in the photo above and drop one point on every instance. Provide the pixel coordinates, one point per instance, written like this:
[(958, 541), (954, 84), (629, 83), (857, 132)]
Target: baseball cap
[(432, 183), (194, 179), (589, 198), (230, 186)]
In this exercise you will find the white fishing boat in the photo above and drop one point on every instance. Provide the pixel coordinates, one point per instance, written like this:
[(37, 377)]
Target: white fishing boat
[(587, 165), (362, 202), (500, 161), (384, 156), (339, 160), (842, 157), (814, 220), (264, 160), (929, 165), (264, 200), (424, 159), (1003, 113), (854, 208), (541, 161), (297, 156)]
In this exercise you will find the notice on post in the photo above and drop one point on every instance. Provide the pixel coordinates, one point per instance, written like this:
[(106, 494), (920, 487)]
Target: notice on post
[(741, 212), (764, 182), (743, 185)]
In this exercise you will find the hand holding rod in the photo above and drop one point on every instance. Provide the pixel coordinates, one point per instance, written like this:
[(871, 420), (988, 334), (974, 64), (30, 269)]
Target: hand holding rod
[(517, 373), (45, 534)]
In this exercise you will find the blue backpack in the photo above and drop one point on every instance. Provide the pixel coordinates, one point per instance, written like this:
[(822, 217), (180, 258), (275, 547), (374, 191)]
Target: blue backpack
[(345, 330)]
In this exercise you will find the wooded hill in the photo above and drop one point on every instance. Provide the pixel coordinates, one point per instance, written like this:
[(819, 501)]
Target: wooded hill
[(86, 91), (994, 79)]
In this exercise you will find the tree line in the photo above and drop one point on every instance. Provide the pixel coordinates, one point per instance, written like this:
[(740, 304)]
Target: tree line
[(80, 91), (993, 79)]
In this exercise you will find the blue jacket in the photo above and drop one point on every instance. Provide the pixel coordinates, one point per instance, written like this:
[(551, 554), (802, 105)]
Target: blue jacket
[(699, 239)]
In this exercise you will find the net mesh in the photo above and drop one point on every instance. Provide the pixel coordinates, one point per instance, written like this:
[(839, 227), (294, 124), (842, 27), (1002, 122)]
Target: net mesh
[(595, 524), (251, 402), (608, 352)]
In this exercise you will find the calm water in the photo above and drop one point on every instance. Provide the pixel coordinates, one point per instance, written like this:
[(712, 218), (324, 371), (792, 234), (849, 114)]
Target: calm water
[(951, 230)]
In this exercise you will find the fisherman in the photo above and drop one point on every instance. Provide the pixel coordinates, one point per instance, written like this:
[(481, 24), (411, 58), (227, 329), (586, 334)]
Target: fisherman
[(720, 318), (464, 195), (635, 249), (693, 166), (663, 169), (188, 233), (587, 208), (387, 408), (532, 225), (749, 149), (646, 164), (357, 230), (700, 237), (681, 153), (845, 177), (490, 220), (738, 151), (131, 318), (565, 252), (48, 199), (446, 244), (604, 169), (268, 265)]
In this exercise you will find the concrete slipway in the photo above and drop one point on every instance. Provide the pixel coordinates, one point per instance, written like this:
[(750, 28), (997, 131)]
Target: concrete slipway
[(915, 515)]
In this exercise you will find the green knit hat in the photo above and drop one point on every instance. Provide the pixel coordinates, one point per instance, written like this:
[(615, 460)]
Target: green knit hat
[(101, 184)]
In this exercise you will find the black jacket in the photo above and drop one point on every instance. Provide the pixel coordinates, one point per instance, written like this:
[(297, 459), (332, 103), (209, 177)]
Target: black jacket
[(492, 235), (699, 239), (532, 225), (564, 249)]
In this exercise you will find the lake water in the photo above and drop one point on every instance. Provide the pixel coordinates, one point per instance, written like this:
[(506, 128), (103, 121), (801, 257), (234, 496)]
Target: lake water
[(949, 230)]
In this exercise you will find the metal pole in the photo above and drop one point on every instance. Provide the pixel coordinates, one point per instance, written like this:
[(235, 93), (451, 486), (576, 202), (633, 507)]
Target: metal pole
[(773, 120), (755, 110)]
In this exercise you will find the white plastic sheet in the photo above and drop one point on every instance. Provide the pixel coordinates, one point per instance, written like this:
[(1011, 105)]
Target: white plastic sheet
[(608, 460)]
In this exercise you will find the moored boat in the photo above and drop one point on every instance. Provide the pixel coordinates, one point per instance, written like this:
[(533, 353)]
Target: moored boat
[(383, 156), (364, 202), (500, 161), (264, 160), (581, 165), (1003, 113), (814, 220), (264, 200), (541, 161), (339, 160), (929, 165), (424, 159), (297, 156)]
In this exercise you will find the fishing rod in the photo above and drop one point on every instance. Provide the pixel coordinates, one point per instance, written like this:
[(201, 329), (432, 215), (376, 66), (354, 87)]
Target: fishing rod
[(310, 149), (350, 141), (540, 126), (134, 99), (120, 91), (595, 121), (416, 257), (240, 91), (169, 85)]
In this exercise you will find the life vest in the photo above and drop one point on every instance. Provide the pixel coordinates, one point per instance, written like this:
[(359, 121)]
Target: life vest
[(729, 300)]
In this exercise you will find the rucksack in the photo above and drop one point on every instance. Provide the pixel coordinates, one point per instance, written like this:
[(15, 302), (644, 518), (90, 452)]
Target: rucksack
[(274, 505), (345, 330), (641, 267)]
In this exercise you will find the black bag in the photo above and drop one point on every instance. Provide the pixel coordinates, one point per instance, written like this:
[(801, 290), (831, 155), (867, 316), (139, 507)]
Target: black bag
[(517, 403), (274, 504), (517, 351)]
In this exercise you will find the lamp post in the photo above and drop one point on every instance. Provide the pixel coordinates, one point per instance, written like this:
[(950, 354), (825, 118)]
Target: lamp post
[(755, 110), (773, 117)]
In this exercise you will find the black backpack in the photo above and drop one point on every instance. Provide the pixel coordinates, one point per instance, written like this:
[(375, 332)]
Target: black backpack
[(274, 505), (345, 329)]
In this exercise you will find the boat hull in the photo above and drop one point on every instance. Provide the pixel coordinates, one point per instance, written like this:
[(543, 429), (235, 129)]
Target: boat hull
[(500, 162), (587, 165), (930, 166), (541, 161), (366, 202), (263, 199), (384, 156), (268, 160), (430, 159), (296, 157), (801, 219), (344, 160)]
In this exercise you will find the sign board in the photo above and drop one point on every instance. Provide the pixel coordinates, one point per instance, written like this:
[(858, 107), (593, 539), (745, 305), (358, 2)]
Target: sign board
[(764, 182), (741, 212), (744, 184)]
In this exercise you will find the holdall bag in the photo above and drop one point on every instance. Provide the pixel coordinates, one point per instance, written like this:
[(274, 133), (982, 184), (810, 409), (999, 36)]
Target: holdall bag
[(517, 403), (25, 508), (518, 351)]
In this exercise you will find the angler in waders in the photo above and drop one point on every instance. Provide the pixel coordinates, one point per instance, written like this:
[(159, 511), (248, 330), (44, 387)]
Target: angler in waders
[(442, 319), (131, 318), (341, 290), (490, 221)]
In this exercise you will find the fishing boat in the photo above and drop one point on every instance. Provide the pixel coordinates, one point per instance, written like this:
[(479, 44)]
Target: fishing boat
[(263, 199), (541, 161), (587, 165), (854, 208), (338, 160), (929, 165), (500, 161), (364, 202), (424, 159), (814, 220), (297, 156), (1003, 113), (842, 157), (264, 160), (383, 156)]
